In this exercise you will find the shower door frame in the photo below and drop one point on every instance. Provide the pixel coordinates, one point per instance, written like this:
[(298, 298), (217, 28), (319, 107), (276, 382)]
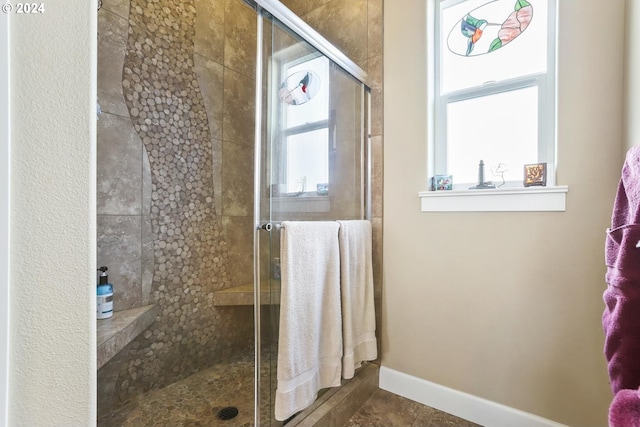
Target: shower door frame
[(311, 36), (294, 23)]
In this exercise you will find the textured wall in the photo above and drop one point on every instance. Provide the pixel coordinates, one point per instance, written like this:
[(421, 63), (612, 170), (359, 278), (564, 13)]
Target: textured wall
[(52, 300)]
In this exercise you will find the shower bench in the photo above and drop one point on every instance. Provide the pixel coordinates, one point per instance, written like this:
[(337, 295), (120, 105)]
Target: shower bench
[(114, 333)]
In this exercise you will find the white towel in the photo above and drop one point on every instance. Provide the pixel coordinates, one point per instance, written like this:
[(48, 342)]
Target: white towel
[(310, 338), (356, 288)]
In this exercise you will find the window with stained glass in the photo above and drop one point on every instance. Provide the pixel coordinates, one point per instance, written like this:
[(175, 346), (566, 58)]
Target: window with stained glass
[(305, 127), (494, 88)]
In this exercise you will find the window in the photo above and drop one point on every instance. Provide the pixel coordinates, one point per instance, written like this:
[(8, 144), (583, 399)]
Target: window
[(494, 89), (305, 126)]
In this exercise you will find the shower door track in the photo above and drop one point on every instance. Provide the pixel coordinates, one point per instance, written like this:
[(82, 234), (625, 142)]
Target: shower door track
[(311, 36)]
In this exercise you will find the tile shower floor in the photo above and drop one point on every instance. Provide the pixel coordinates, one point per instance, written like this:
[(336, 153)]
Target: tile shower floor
[(196, 400)]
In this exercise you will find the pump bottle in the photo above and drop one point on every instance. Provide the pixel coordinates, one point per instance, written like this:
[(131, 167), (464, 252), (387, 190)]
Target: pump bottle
[(104, 302)]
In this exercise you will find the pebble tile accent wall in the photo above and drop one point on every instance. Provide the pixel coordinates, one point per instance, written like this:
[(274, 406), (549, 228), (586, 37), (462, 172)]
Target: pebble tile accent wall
[(190, 254)]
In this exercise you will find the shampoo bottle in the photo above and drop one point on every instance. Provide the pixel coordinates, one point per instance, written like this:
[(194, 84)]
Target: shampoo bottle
[(104, 302)]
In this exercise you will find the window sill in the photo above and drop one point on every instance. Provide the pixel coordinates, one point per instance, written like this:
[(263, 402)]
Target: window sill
[(531, 199)]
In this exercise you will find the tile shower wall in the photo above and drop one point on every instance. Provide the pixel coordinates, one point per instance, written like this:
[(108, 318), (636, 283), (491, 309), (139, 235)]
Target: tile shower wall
[(175, 155)]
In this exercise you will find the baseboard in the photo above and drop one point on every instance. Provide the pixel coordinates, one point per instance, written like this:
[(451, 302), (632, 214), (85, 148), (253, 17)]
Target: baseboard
[(463, 405)]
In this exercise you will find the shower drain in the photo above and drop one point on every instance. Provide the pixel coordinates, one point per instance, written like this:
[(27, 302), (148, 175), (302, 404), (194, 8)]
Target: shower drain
[(228, 413)]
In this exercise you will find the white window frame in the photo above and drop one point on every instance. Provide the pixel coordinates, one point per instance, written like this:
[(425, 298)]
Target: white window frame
[(515, 197), (545, 82), (288, 131)]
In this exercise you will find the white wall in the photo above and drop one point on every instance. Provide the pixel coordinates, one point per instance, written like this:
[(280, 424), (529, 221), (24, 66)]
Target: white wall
[(52, 379), (632, 71), (4, 218), (506, 306)]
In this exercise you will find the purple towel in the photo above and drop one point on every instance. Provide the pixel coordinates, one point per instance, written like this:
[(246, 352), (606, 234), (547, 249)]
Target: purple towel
[(621, 317), (627, 203), (625, 409)]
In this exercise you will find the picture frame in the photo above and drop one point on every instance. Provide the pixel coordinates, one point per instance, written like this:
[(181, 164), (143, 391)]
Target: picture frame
[(322, 189), (535, 175), (441, 182)]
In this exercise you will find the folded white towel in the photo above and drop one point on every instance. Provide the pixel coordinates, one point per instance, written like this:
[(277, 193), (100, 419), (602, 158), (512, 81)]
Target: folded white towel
[(310, 337), (356, 288)]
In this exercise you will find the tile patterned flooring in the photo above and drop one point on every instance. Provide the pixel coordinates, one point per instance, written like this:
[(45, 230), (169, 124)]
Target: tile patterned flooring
[(196, 401), (386, 409)]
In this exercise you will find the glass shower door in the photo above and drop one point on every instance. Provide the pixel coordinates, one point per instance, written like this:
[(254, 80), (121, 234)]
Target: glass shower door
[(312, 167)]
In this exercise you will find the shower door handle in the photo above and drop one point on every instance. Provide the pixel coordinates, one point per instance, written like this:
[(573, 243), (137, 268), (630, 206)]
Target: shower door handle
[(270, 226), (266, 226)]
